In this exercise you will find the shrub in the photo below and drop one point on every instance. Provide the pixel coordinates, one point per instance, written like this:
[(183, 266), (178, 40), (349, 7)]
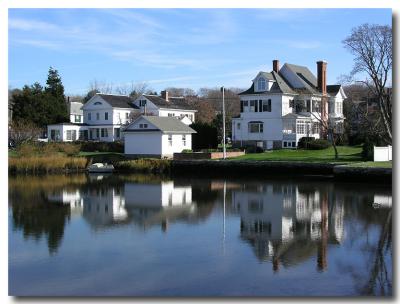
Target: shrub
[(253, 149), (304, 142), (318, 144), (144, 165), (368, 150), (206, 136), (98, 146), (187, 151)]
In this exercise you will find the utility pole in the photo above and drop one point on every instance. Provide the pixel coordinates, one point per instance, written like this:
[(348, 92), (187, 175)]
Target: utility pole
[(223, 122)]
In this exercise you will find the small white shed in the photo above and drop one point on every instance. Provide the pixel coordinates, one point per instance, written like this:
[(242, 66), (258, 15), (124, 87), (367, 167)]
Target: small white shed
[(155, 136)]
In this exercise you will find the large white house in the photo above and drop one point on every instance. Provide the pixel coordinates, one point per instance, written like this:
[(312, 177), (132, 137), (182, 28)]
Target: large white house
[(285, 105), (106, 115), (156, 136)]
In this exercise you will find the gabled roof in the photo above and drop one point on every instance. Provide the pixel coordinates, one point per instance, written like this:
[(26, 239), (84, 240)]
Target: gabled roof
[(172, 103), (118, 101), (163, 124), (279, 86), (307, 78), (333, 89)]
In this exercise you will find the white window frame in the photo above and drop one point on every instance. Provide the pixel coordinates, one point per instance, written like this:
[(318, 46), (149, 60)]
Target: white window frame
[(262, 84), (256, 125), (170, 139), (184, 139)]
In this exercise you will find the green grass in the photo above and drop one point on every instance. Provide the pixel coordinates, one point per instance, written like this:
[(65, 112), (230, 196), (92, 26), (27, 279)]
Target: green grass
[(371, 164), (346, 154)]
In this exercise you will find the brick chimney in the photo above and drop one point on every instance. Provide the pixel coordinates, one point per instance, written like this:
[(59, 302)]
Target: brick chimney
[(275, 65), (164, 94), (321, 86), (321, 76)]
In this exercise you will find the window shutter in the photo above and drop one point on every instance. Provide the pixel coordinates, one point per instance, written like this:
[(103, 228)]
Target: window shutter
[(241, 106), (269, 105), (255, 105), (260, 106)]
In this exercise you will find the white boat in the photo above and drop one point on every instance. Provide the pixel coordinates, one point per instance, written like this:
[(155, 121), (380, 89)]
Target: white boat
[(100, 168)]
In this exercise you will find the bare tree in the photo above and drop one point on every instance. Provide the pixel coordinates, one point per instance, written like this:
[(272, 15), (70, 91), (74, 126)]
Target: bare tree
[(372, 47), (20, 132)]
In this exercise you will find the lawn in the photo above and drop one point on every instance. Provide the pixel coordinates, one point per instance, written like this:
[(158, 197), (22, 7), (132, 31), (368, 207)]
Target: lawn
[(371, 164), (346, 154)]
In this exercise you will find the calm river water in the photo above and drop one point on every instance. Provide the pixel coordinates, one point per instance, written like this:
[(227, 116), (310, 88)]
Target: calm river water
[(140, 235)]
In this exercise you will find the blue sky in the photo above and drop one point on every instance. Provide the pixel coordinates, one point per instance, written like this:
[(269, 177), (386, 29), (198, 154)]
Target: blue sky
[(177, 47)]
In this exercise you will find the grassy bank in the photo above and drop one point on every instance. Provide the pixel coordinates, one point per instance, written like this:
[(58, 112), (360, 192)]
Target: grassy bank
[(46, 164), (371, 164), (346, 154)]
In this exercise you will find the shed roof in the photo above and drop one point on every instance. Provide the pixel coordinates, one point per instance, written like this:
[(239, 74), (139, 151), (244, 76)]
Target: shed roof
[(172, 103)]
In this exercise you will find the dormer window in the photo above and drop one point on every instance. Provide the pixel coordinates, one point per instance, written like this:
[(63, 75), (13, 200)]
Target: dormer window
[(262, 84)]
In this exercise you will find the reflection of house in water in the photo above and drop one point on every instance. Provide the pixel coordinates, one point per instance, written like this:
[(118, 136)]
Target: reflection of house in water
[(104, 206), (159, 204), (288, 223), (99, 205), (72, 198)]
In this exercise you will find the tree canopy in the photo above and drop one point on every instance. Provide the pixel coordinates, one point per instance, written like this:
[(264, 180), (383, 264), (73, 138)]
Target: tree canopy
[(41, 105)]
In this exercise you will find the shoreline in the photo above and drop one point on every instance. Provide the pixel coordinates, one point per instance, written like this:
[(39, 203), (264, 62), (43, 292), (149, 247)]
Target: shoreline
[(250, 168)]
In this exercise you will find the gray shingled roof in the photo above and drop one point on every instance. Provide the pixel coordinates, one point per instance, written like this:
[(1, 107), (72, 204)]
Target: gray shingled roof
[(166, 125), (172, 103), (307, 78), (118, 101), (279, 86)]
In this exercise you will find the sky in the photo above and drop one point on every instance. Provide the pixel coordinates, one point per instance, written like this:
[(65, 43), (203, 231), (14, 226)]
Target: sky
[(192, 48)]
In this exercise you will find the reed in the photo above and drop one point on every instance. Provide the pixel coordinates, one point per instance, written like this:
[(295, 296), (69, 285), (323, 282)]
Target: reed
[(46, 164)]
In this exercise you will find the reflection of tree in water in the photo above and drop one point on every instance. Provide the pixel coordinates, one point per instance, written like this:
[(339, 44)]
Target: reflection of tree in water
[(375, 278), (39, 218)]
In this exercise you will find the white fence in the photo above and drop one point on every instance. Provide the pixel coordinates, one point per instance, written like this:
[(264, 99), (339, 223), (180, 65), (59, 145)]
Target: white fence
[(383, 153)]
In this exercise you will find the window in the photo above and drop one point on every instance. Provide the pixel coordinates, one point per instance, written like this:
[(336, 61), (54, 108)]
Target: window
[(266, 105), (69, 135), (81, 135), (252, 105), (316, 106), (291, 103), (105, 115), (143, 126), (308, 105), (339, 108), (77, 118), (89, 116), (170, 139), (104, 132), (97, 116), (315, 128), (256, 127), (284, 144), (171, 114), (301, 127), (142, 102), (293, 144), (97, 133), (117, 132), (55, 134), (126, 115), (184, 140), (238, 125), (261, 84), (246, 105)]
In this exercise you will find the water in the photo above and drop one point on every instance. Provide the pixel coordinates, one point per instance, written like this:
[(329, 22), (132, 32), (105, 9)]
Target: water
[(148, 236)]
